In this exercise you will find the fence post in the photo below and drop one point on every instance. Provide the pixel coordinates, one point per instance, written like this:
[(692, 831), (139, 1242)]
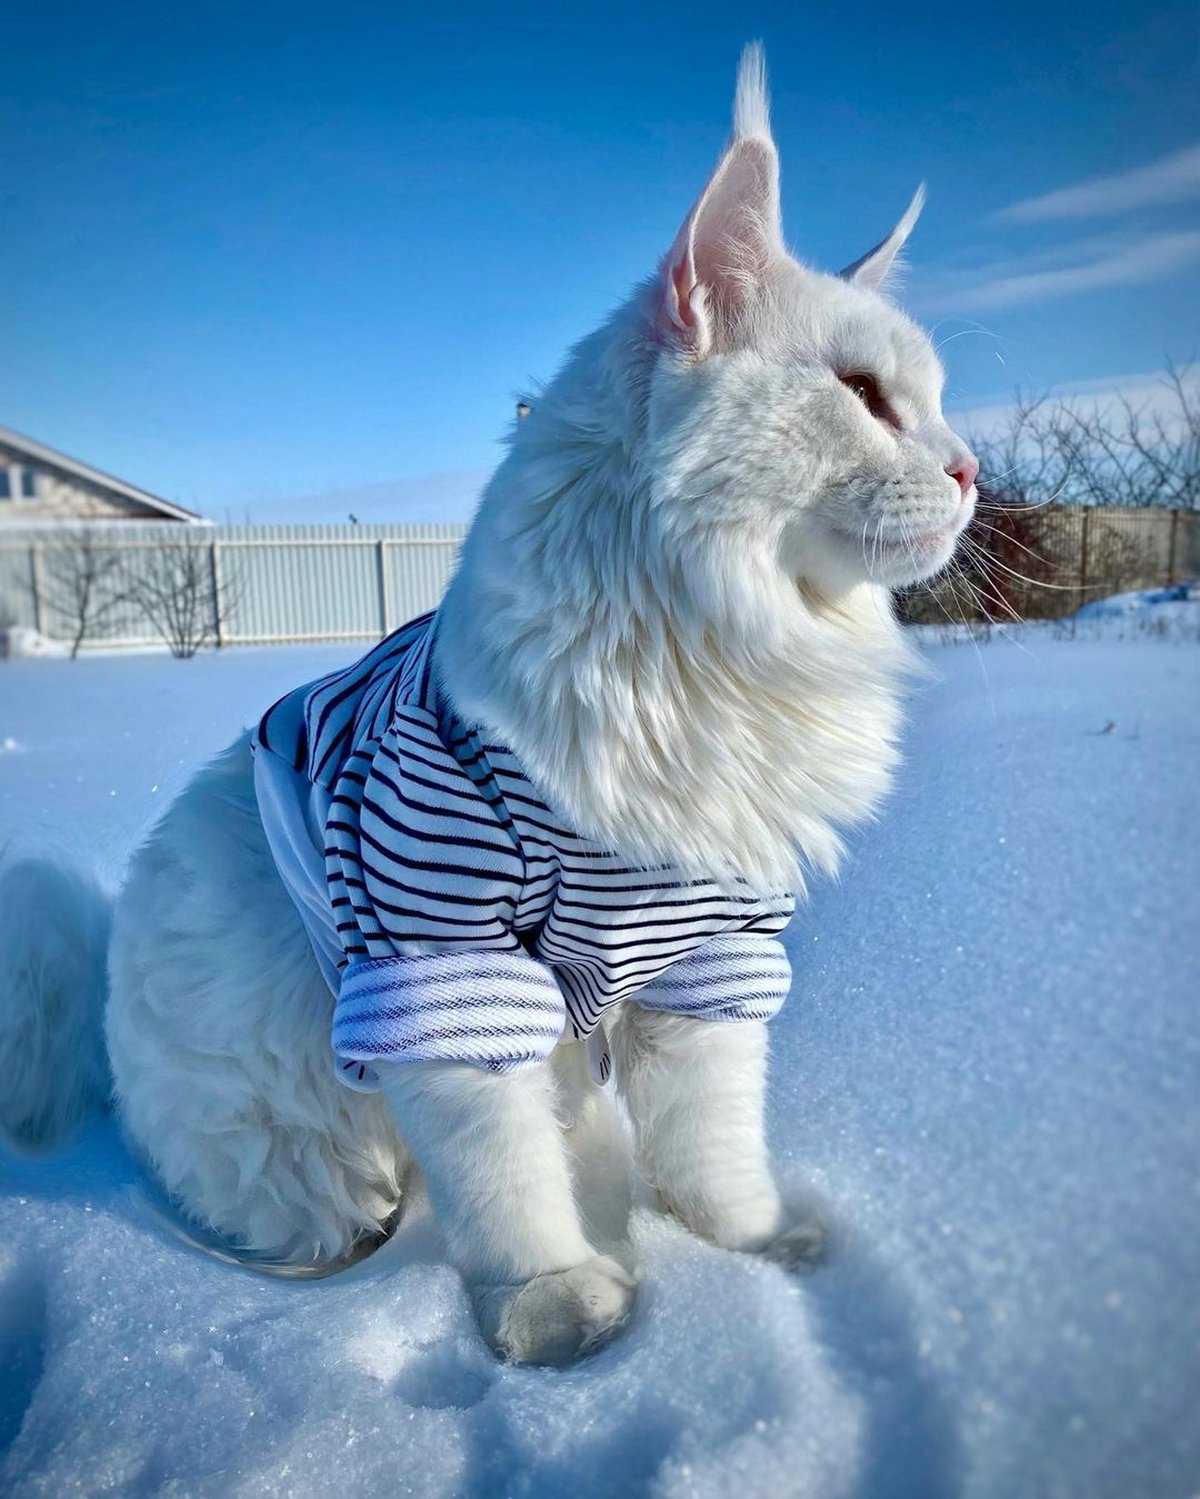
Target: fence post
[(214, 563), (385, 610), (1083, 549), (35, 583), (1173, 548)]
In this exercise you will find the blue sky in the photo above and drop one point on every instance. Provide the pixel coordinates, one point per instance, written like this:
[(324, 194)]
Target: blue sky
[(251, 254)]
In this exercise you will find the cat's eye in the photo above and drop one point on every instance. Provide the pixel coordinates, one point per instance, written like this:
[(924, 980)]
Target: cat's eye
[(866, 387)]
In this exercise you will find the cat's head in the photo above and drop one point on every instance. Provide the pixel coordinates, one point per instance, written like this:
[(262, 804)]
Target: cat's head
[(802, 405)]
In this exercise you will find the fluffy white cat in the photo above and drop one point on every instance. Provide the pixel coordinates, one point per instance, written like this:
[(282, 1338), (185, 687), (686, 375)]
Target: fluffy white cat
[(673, 606)]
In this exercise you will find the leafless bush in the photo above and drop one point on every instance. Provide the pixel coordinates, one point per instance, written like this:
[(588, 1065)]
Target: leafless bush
[(1132, 455), (178, 590), (81, 583)]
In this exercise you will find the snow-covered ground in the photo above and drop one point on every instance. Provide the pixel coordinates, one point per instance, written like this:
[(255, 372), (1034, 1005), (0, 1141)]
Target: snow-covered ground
[(990, 1066)]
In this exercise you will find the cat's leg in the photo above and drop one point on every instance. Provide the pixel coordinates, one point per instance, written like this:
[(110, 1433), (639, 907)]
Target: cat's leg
[(598, 1149), (695, 1090), (491, 1148)]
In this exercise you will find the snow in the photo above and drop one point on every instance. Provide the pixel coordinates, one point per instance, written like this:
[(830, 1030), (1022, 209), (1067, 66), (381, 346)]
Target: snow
[(990, 1067), (21, 641), (1174, 602)]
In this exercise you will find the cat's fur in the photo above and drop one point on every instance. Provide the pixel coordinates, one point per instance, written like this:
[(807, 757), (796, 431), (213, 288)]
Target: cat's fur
[(673, 607)]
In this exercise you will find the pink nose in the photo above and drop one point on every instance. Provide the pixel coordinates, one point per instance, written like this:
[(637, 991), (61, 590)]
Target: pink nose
[(963, 472)]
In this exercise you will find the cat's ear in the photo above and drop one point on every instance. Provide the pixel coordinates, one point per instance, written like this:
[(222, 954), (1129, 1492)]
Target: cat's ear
[(729, 241), (873, 269)]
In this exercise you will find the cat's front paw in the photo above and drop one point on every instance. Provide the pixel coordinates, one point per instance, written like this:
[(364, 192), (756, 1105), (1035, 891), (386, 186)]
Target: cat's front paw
[(803, 1245), (559, 1317)]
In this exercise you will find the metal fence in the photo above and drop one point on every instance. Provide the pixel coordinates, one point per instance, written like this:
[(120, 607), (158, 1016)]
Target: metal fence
[(1045, 562), (263, 584)]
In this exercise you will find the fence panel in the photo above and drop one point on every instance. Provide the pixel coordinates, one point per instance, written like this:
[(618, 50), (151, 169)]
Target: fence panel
[(16, 586), (415, 578), (294, 590), (262, 583), (1185, 555)]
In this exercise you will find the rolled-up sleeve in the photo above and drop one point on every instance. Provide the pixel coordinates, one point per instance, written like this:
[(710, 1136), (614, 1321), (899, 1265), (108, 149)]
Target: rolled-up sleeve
[(733, 976), (500, 1010)]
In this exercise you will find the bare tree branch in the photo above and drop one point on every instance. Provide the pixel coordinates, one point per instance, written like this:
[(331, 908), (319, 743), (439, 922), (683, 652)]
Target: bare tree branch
[(82, 583), (176, 588)]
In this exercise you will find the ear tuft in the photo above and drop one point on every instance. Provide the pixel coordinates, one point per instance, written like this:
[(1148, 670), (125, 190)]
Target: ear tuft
[(727, 246), (751, 105), (873, 269), (730, 242)]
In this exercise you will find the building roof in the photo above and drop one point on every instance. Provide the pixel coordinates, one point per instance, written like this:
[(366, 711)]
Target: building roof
[(38, 452)]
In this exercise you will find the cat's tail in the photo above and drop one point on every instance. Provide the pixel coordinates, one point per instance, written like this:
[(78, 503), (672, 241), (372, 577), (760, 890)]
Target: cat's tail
[(54, 925)]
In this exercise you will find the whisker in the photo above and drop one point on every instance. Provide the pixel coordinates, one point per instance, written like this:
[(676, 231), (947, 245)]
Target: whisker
[(1012, 540), (990, 557), (990, 587), (999, 505)]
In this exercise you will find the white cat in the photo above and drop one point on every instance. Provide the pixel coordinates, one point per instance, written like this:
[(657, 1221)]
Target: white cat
[(673, 608)]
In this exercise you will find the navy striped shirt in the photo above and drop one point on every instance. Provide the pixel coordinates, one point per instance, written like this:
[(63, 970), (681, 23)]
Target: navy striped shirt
[(454, 914)]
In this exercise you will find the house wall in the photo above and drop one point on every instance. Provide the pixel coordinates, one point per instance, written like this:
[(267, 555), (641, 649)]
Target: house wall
[(58, 496)]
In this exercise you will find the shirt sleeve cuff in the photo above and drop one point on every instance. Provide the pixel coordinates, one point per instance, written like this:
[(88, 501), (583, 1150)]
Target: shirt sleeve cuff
[(733, 976), (499, 1010)]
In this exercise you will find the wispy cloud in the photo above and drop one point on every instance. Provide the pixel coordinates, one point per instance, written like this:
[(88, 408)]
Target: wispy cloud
[(1171, 179), (1155, 255)]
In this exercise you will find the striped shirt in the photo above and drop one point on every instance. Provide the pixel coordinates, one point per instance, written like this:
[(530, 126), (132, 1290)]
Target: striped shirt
[(453, 913)]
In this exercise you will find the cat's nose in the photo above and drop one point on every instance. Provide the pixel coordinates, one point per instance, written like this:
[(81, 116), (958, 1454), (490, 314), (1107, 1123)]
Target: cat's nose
[(964, 471)]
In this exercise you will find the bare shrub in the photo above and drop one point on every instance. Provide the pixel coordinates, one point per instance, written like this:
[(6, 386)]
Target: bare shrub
[(81, 584), (177, 589)]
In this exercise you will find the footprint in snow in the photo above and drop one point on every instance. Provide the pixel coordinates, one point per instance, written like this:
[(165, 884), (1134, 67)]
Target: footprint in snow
[(436, 1379)]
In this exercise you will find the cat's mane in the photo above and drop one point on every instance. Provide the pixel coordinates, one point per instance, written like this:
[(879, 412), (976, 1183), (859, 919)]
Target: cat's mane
[(670, 689), (673, 694)]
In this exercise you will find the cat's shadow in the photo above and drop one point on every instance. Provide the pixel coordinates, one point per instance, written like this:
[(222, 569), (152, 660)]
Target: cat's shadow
[(912, 1448), (861, 1316)]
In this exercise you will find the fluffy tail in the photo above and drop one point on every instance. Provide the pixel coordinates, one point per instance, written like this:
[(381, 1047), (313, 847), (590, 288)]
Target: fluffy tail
[(54, 926)]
